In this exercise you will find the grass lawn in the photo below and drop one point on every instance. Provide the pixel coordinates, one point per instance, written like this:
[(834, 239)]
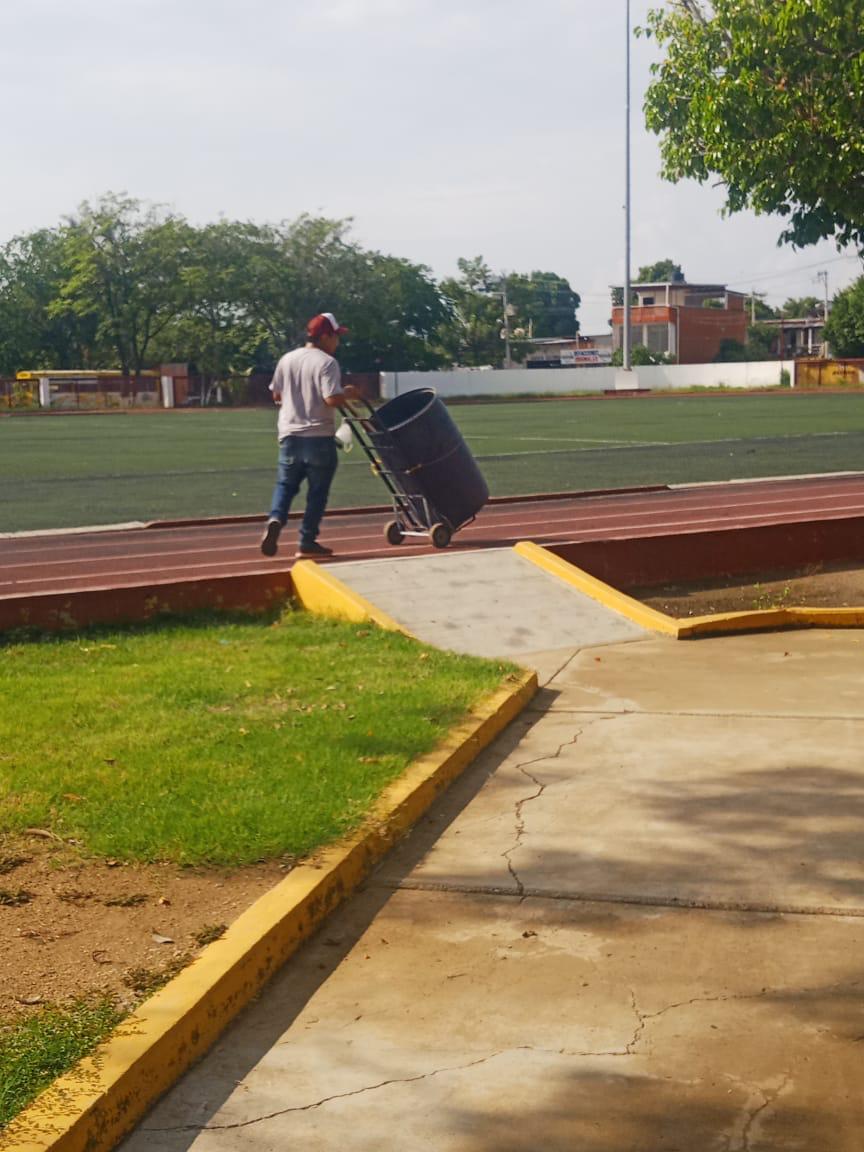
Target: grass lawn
[(204, 742), (219, 742), (36, 1050), (69, 470)]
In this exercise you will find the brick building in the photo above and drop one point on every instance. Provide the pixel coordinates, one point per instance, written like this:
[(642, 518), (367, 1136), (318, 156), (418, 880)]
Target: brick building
[(688, 321)]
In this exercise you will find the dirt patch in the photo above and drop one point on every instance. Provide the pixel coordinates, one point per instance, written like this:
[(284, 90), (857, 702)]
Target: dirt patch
[(839, 586), (69, 926)]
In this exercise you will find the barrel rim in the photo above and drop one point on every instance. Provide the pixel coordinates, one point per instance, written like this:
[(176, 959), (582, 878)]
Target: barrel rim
[(433, 396)]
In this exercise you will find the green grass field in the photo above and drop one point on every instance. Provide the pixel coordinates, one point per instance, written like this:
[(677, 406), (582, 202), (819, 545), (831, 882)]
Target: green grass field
[(219, 742), (204, 742), (68, 470)]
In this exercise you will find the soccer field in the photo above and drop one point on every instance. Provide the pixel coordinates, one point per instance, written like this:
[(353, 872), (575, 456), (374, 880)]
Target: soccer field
[(69, 470)]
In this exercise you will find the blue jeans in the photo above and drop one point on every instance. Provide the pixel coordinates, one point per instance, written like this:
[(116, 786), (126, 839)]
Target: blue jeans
[(309, 458)]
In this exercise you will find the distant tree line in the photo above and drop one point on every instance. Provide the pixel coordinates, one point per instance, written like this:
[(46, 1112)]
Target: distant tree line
[(127, 285)]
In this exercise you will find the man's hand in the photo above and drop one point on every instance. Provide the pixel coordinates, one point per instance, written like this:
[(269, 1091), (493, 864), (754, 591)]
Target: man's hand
[(340, 399)]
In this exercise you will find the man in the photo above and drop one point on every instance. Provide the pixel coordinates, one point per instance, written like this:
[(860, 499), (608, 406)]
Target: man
[(307, 386)]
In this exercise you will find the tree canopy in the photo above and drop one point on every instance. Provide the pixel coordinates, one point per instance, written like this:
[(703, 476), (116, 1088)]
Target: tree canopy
[(767, 96), (844, 330), (797, 307), (662, 272), (485, 308), (123, 284)]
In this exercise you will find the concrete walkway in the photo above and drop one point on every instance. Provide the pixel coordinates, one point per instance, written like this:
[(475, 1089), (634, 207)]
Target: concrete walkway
[(488, 603), (633, 926)]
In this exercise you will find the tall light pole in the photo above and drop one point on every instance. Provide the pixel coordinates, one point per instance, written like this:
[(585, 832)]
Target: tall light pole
[(506, 304), (625, 347)]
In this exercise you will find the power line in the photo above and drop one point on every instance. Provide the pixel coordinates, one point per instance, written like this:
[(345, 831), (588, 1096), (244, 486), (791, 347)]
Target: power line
[(791, 271)]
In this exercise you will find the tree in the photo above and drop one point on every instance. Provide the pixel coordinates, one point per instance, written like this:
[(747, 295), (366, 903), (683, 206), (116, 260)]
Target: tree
[(767, 95), (732, 352), (844, 330), (544, 304), (762, 342), (663, 272), (471, 336), (214, 329), (296, 269), (795, 309), (33, 270), (125, 262), (395, 312), (759, 310)]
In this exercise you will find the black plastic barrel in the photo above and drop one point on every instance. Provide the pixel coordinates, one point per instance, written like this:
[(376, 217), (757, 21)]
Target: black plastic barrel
[(419, 443)]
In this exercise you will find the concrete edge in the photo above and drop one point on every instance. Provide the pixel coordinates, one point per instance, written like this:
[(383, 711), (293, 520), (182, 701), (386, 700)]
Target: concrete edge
[(694, 626), (319, 591), (829, 617), (133, 603), (589, 585), (97, 1103), (792, 617)]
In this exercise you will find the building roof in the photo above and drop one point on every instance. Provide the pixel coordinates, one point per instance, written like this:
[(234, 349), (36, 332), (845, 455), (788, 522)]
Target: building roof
[(794, 322), (718, 288)]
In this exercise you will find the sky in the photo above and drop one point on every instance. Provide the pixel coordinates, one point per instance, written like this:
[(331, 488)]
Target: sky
[(442, 128)]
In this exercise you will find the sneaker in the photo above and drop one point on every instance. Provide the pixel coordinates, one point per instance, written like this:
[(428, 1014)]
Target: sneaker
[(314, 549), (270, 539)]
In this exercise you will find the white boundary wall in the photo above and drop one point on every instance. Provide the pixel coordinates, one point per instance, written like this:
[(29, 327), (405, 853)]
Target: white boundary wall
[(537, 381)]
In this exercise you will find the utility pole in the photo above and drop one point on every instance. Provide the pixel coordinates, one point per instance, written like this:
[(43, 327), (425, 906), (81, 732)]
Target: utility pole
[(507, 363), (823, 276), (625, 347), (752, 306)]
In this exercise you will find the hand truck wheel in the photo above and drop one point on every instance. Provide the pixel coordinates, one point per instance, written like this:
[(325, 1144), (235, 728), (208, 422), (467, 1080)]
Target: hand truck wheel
[(440, 535), (393, 532)]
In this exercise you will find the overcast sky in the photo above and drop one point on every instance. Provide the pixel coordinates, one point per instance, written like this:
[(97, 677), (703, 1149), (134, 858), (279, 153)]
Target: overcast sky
[(445, 128)]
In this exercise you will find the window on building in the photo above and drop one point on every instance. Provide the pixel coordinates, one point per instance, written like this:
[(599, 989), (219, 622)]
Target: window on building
[(657, 337)]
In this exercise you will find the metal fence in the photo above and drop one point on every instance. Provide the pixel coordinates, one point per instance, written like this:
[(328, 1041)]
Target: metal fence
[(102, 393), (848, 373), (18, 394)]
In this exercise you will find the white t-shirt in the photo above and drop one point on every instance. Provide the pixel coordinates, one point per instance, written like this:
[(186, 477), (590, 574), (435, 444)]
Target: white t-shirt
[(303, 378)]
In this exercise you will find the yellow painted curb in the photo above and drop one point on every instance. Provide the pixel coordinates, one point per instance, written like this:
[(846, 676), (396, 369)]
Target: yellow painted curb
[(761, 619), (319, 591), (610, 597), (102, 1098), (829, 617), (688, 628)]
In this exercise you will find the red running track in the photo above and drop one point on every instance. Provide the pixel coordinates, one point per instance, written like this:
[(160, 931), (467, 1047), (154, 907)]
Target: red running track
[(65, 562)]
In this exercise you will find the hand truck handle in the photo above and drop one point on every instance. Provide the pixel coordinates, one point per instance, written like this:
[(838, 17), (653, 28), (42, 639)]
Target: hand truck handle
[(350, 407)]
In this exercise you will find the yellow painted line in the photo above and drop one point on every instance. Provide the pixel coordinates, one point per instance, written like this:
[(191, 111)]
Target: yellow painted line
[(319, 591), (610, 597), (689, 627), (103, 1097)]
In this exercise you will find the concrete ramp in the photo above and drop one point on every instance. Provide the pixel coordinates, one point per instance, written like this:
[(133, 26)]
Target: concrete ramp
[(490, 602)]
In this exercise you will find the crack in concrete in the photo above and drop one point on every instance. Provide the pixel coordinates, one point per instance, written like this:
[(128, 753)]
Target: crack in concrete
[(520, 825), (644, 1018), (754, 1115), (337, 1096), (541, 788)]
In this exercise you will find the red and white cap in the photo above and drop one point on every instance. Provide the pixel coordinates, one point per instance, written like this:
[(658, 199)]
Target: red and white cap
[(325, 324)]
